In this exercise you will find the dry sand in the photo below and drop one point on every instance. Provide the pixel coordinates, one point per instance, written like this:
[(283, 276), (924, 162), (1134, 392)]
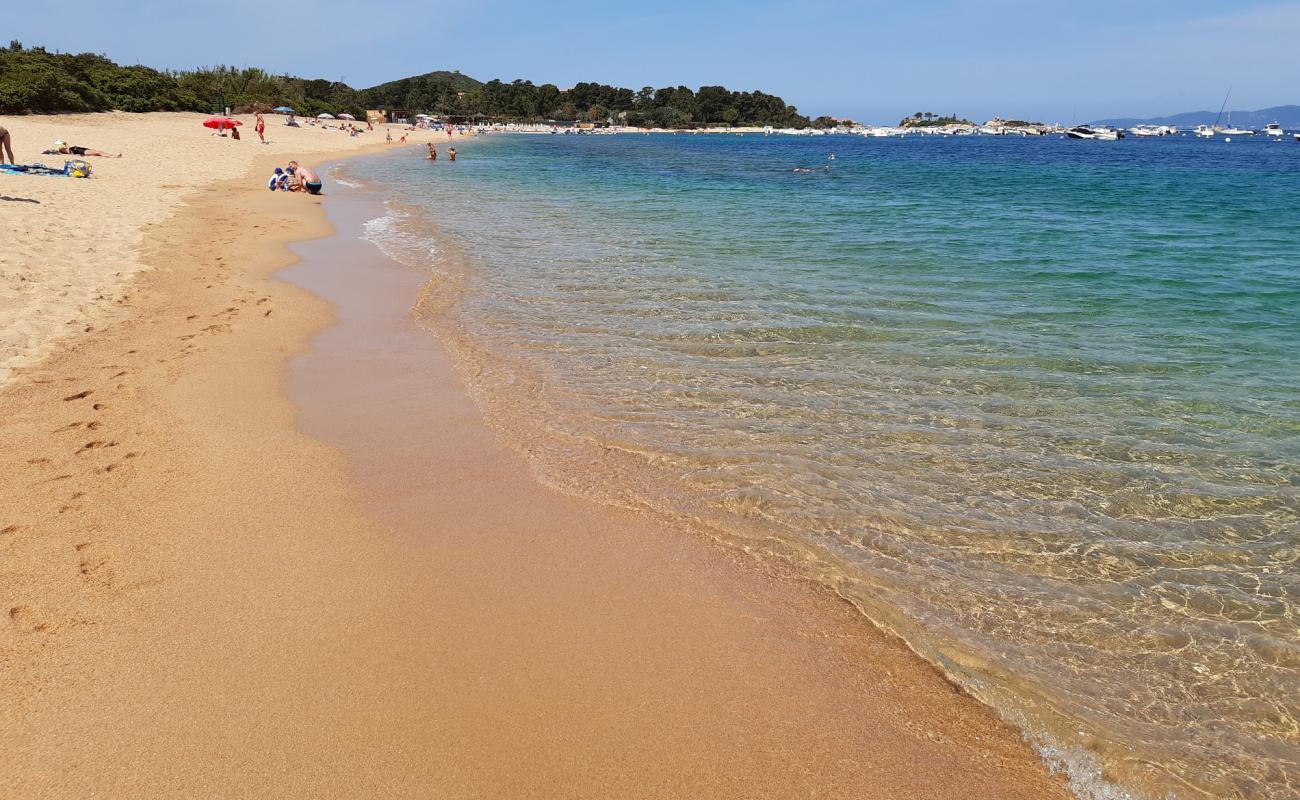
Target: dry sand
[(71, 246), (197, 599)]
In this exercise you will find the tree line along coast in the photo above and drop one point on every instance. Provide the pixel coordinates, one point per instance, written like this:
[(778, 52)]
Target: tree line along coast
[(34, 80)]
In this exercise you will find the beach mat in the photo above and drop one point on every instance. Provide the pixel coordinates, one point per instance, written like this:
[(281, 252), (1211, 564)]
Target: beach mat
[(32, 169)]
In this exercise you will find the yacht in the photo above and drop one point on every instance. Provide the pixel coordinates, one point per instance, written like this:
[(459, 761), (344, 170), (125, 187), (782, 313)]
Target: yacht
[(1206, 131), (1274, 129), (1148, 131), (1098, 132)]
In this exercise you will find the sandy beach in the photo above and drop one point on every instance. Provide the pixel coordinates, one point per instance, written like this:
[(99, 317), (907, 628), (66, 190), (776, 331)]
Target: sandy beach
[(257, 541)]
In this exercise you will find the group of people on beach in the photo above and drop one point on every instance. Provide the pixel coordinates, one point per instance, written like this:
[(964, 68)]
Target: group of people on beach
[(349, 128), (295, 178)]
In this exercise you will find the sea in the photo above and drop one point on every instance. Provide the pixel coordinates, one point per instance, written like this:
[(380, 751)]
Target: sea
[(1032, 404)]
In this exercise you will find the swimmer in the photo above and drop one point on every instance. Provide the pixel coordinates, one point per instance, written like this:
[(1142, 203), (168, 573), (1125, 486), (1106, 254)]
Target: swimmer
[(433, 152)]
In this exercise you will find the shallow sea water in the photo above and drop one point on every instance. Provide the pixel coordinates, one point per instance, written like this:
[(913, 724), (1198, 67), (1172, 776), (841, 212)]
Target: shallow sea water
[(1034, 404)]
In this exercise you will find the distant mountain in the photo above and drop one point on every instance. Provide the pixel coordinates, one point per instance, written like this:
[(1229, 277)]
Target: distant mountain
[(1288, 116)]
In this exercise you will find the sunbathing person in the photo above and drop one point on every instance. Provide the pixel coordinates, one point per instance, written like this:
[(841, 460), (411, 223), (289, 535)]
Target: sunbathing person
[(62, 147)]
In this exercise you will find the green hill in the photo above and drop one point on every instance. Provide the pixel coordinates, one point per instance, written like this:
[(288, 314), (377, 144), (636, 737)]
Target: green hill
[(437, 92), (453, 78)]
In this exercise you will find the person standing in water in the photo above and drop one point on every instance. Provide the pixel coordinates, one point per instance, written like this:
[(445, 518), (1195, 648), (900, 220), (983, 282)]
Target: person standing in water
[(433, 152), (451, 153)]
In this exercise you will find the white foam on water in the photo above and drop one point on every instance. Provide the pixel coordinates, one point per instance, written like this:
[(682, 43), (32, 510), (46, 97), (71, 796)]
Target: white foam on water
[(395, 235)]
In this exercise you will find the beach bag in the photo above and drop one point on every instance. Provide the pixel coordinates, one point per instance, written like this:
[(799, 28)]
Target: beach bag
[(76, 169)]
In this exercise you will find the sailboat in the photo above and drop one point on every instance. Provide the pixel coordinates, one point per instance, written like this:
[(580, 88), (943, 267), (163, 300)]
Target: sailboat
[(1231, 131), (1209, 131)]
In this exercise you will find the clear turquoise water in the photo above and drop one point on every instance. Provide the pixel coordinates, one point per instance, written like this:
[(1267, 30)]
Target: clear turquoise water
[(1032, 403)]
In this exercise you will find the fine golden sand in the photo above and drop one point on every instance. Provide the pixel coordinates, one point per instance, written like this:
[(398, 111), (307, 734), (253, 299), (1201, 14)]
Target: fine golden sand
[(71, 245), (198, 599)]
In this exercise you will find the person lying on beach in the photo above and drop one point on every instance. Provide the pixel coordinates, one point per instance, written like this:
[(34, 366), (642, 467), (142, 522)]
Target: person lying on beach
[(6, 146), (433, 152), (307, 178), (61, 147)]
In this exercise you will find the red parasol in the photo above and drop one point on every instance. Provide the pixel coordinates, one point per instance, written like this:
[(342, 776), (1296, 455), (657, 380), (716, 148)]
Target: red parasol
[(220, 123)]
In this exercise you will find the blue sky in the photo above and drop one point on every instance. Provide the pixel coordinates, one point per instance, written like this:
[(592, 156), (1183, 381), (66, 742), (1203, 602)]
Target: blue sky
[(874, 61)]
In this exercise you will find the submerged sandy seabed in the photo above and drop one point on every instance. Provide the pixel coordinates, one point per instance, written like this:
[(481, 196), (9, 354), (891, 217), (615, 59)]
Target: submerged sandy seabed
[(199, 599)]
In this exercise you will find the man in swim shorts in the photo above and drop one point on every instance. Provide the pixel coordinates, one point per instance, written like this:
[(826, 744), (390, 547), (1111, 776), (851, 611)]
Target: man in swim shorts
[(76, 150), (6, 146), (307, 178)]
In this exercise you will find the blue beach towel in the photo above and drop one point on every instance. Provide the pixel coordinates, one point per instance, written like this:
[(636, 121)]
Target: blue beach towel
[(35, 169)]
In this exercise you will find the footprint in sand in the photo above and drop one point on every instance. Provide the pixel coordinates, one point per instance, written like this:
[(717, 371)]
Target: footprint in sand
[(24, 617)]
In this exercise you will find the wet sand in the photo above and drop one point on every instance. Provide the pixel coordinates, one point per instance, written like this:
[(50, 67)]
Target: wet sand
[(255, 544)]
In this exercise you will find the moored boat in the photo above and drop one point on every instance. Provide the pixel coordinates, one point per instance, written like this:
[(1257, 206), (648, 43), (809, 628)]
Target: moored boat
[(1098, 132)]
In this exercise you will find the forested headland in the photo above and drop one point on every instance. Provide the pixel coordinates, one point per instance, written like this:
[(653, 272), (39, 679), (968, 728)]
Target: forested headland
[(34, 80)]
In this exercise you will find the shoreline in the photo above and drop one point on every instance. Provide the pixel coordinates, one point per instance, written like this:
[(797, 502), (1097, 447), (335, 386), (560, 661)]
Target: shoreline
[(192, 581)]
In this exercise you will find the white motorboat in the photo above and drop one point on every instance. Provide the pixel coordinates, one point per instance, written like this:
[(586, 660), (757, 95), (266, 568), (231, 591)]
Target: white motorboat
[(1148, 131), (1097, 132), (1207, 131), (1274, 129)]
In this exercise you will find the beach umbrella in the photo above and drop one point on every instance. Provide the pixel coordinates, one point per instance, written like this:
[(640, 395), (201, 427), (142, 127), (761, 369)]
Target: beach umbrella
[(324, 116), (346, 116), (220, 123), (283, 110)]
